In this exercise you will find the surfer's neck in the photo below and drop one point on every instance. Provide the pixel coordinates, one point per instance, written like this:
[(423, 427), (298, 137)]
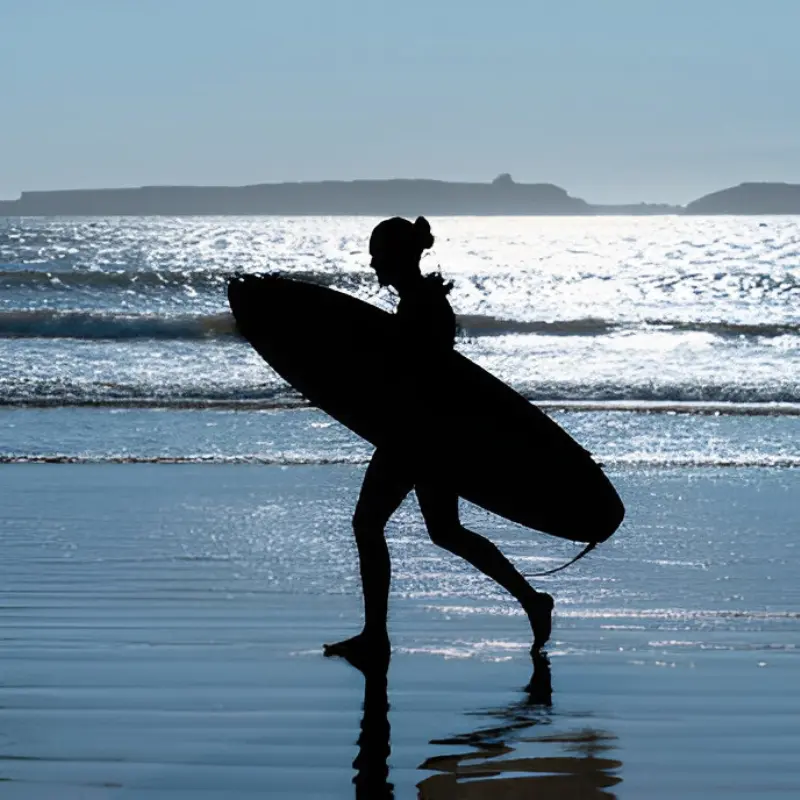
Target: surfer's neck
[(408, 284)]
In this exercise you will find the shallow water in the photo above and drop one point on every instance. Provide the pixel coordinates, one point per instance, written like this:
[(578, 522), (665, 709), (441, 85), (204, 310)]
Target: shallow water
[(307, 436)]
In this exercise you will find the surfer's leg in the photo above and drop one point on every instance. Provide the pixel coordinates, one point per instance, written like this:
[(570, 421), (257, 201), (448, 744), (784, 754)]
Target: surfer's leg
[(439, 507), (384, 488)]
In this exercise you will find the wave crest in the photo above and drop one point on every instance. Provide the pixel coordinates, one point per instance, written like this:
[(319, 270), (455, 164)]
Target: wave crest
[(639, 461), (51, 324)]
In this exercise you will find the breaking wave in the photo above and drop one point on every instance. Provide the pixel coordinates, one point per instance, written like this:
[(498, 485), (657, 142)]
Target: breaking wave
[(724, 400), (49, 323), (654, 460), (23, 277)]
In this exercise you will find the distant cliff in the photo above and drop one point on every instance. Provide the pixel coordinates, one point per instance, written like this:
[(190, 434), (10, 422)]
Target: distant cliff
[(383, 198), (380, 198), (750, 198)]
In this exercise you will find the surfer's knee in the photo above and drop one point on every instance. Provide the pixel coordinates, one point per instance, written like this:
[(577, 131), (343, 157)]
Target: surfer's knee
[(440, 511), (443, 534), (366, 525)]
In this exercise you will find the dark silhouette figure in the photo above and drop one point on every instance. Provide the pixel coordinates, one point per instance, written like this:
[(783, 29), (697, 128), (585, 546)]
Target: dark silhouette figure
[(485, 769), (428, 330), (442, 426)]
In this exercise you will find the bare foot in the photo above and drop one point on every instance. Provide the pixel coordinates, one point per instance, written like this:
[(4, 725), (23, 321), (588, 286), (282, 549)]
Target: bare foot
[(540, 615), (363, 651)]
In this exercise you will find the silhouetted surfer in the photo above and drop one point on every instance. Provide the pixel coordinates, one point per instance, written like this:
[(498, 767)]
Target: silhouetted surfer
[(428, 331)]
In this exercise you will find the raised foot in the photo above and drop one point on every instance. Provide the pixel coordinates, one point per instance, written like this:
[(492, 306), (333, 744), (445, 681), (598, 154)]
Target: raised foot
[(540, 615), (363, 651)]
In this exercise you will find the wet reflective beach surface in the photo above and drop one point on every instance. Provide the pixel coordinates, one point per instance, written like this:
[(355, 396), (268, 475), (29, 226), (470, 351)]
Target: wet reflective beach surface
[(162, 629)]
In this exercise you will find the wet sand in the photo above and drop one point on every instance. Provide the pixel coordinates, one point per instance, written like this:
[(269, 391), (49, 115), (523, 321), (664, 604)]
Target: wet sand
[(162, 630)]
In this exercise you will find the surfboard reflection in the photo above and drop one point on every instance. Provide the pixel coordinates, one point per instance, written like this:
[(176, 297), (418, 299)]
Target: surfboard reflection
[(580, 767)]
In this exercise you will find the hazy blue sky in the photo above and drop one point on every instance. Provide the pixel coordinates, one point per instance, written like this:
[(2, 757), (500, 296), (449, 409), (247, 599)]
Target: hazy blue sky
[(615, 100)]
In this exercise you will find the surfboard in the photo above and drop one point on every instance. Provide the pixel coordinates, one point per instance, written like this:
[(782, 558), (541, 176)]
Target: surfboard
[(486, 441)]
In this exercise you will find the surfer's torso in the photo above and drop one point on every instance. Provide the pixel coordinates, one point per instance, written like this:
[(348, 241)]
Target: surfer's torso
[(427, 337), (427, 322)]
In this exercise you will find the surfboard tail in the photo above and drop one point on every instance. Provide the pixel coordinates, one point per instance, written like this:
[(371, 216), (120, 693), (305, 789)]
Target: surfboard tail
[(603, 525), (585, 552)]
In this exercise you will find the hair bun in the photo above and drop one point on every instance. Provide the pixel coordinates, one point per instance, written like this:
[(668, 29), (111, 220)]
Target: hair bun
[(422, 232)]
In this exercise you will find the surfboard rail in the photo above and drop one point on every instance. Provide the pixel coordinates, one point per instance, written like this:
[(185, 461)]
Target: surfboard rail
[(488, 442)]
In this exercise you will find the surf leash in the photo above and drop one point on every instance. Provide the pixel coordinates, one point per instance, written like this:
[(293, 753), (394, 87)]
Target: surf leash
[(585, 552)]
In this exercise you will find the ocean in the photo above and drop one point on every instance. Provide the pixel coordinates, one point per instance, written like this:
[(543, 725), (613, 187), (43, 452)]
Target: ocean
[(668, 309), (649, 314), (176, 524)]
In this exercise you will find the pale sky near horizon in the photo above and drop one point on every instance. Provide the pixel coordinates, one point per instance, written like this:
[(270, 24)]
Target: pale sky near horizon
[(615, 100)]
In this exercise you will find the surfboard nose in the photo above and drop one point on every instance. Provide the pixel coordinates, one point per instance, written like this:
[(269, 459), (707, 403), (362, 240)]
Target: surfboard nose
[(241, 282), (236, 286), (255, 294)]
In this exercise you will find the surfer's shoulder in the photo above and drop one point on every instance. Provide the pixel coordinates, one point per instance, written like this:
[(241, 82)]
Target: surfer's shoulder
[(426, 314), (436, 285), (429, 296)]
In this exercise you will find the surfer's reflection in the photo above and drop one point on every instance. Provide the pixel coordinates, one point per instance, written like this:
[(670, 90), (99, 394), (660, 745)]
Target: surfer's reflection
[(486, 769), (371, 764)]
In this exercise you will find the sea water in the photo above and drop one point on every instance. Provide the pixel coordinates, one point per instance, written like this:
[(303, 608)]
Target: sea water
[(586, 316), (162, 624), (635, 310)]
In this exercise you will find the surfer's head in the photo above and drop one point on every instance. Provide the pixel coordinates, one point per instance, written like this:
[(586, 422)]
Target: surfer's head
[(396, 246)]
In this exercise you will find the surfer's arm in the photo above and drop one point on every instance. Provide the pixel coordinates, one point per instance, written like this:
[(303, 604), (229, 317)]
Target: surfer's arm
[(428, 327)]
